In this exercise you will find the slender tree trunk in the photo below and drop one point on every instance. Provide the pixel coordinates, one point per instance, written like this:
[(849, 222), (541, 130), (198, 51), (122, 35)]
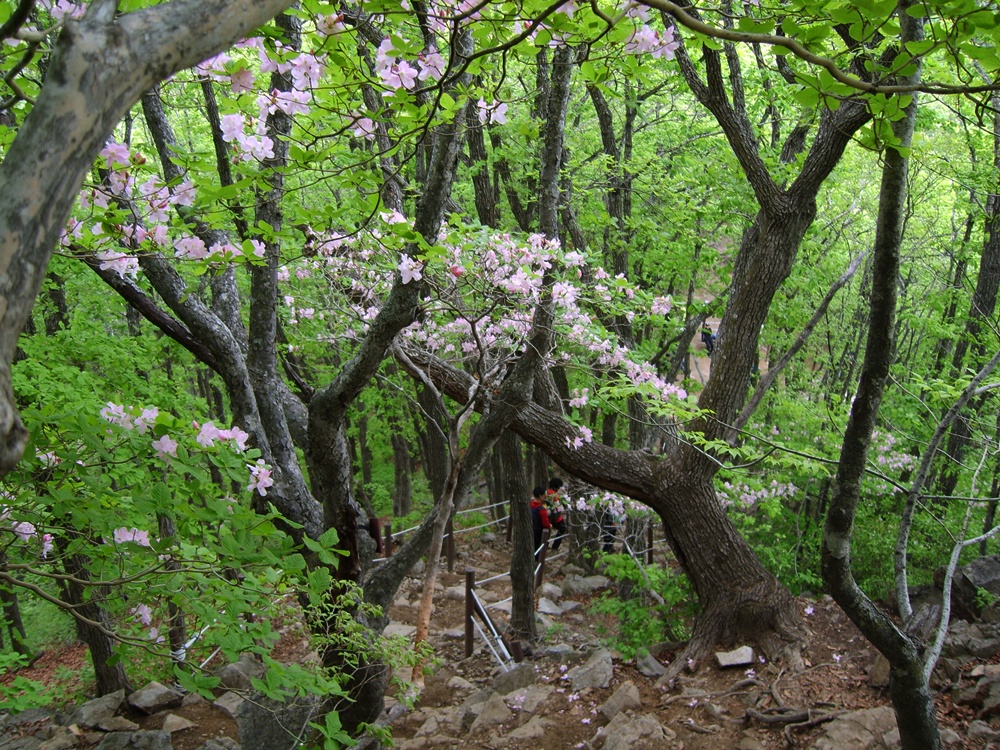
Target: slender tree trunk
[(522, 561)]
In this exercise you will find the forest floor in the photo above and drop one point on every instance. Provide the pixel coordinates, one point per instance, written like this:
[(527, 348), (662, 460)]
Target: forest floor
[(707, 709)]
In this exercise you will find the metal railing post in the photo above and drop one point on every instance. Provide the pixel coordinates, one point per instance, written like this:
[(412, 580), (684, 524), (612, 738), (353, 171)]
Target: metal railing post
[(470, 584), (387, 544), (540, 574), (649, 544)]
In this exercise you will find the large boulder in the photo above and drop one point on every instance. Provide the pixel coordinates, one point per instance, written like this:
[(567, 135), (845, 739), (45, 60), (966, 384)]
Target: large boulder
[(595, 673), (267, 724), (970, 583)]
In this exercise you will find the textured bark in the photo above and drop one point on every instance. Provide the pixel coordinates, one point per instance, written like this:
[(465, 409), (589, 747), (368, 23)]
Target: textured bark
[(910, 692), (522, 568)]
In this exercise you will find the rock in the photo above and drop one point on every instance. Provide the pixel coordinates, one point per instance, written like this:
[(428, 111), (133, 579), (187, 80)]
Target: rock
[(174, 723), (569, 605), (527, 700), (740, 657), (232, 677), (596, 672), (493, 713), (547, 607), (858, 730), (62, 739), (118, 724), (193, 699), (267, 724), (489, 537), (155, 697), (418, 569), (228, 703), (980, 730), (136, 741), (455, 594), (563, 653), (92, 713), (625, 697), (625, 731), (749, 742), (399, 628), (454, 633), (648, 664), (504, 607), (878, 677), (460, 683), (570, 569), (949, 736), (431, 726), (550, 591), (533, 730), (982, 573), (521, 676), (576, 584)]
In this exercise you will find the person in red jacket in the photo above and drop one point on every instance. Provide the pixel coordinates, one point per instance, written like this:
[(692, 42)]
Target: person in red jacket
[(539, 516), (557, 519)]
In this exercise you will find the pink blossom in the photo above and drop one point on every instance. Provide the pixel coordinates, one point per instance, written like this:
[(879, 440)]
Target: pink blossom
[(662, 305), (208, 435), (239, 437), (432, 65), (232, 127), (495, 112), (123, 535), (364, 127), (24, 530), (330, 25), (292, 102), (143, 614), (259, 250), (47, 545), (120, 263), (307, 71), (116, 154), (241, 81), (183, 194), (191, 247), (115, 413), (146, 419), (410, 269), (579, 399), (260, 477), (165, 446)]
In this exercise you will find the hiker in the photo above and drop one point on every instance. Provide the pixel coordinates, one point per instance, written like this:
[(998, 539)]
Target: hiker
[(708, 338), (557, 518), (539, 517)]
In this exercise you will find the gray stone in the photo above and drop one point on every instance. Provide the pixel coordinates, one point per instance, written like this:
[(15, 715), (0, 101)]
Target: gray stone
[(878, 677), (576, 584), (624, 698), (454, 633), (982, 573), (624, 731), (504, 607), (492, 713), (267, 724), (563, 653), (174, 723), (399, 628), (569, 605), (749, 742), (595, 673), (251, 665), (460, 683), (648, 664), (228, 703), (547, 607), (533, 730), (740, 657), (136, 741), (571, 569), (431, 726), (949, 736), (550, 590), (155, 697), (92, 713), (489, 537), (62, 739), (858, 730), (980, 730), (193, 699), (118, 724), (527, 700), (521, 676), (455, 594), (232, 677)]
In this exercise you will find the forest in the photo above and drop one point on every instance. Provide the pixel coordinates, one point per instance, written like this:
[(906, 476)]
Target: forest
[(271, 272)]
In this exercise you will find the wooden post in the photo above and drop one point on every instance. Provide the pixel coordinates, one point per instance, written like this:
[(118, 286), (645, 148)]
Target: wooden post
[(541, 558), (388, 540), (375, 529), (450, 544), (649, 544), (470, 584), (516, 651)]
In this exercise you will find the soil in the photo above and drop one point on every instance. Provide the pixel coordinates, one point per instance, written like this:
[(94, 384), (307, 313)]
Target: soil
[(708, 709)]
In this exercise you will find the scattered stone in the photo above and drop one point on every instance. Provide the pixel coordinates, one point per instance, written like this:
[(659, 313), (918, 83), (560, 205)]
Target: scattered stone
[(430, 727), (570, 569), (267, 724), (648, 664), (521, 676), (136, 741), (455, 593), (155, 697), (878, 677), (493, 713), (232, 677), (563, 653), (576, 584), (550, 591), (980, 730), (568, 606), (749, 742), (624, 731), (118, 724), (92, 713), (740, 657), (193, 699), (596, 672), (174, 723), (503, 607), (454, 633), (229, 703), (460, 683), (982, 573), (398, 628), (547, 607), (527, 700), (625, 697), (489, 537), (533, 730), (418, 569), (220, 743), (858, 730)]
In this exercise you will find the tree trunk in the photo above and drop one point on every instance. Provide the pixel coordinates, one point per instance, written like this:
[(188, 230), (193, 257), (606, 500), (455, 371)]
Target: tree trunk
[(402, 496), (522, 562)]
